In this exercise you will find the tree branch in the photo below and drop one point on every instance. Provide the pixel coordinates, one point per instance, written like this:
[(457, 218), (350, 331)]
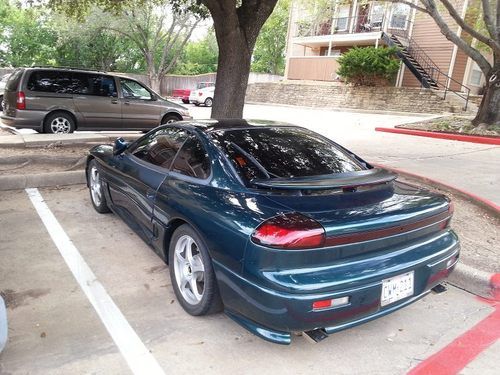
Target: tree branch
[(475, 34), (473, 53), (488, 21)]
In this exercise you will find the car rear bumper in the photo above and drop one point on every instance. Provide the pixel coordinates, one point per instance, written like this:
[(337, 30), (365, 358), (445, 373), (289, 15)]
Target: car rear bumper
[(25, 119), (273, 314)]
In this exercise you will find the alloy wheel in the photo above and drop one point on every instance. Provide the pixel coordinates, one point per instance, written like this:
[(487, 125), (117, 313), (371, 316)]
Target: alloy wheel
[(95, 186), (189, 270), (60, 125)]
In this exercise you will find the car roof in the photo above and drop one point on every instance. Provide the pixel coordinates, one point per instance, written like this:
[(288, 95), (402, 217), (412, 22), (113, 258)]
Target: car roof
[(211, 125)]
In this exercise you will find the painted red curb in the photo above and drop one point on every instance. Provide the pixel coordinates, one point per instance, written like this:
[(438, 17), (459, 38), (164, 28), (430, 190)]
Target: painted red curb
[(495, 286), (454, 137), (465, 348), (483, 201)]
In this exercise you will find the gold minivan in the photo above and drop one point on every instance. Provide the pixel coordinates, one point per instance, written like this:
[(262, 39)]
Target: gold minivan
[(62, 100)]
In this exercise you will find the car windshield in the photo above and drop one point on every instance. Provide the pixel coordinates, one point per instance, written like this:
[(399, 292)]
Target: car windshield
[(283, 152)]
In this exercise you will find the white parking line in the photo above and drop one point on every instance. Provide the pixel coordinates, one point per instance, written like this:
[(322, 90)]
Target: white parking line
[(138, 357)]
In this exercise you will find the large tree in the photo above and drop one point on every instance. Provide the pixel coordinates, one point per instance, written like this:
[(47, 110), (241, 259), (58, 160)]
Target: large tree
[(481, 23), (237, 25)]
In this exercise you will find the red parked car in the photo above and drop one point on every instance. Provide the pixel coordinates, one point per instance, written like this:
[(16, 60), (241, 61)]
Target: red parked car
[(183, 94)]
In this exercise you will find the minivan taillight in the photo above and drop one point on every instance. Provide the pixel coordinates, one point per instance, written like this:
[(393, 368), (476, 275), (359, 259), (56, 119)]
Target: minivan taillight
[(290, 231), (21, 100)]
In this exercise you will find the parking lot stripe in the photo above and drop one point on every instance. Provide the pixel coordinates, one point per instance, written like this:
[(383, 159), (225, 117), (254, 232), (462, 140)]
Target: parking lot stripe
[(138, 357)]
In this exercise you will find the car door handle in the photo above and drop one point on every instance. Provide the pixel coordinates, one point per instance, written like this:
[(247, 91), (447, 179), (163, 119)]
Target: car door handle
[(114, 101), (127, 102)]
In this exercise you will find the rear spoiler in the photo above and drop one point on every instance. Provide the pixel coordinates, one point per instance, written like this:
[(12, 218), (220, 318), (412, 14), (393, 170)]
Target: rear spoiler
[(375, 176)]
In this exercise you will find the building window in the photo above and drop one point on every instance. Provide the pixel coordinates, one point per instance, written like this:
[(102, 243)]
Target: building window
[(342, 18), (399, 16), (377, 14), (475, 75)]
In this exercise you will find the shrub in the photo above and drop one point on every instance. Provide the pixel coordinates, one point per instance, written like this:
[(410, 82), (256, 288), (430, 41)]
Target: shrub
[(368, 66)]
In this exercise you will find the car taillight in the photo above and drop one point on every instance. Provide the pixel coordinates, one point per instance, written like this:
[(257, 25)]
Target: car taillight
[(290, 231), (447, 222), (21, 100)]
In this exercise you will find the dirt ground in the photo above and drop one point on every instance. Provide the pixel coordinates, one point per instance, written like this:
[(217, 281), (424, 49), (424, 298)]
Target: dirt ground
[(15, 161)]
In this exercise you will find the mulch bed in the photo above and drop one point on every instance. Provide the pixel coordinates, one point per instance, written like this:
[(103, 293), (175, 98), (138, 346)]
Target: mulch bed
[(453, 125)]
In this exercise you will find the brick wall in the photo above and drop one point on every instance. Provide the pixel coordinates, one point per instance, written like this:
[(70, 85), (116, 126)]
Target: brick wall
[(341, 96)]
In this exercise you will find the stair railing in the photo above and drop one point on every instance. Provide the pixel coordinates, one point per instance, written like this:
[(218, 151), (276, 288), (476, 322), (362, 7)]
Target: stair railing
[(436, 76)]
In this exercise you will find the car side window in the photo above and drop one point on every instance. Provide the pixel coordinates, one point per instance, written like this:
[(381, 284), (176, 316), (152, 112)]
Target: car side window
[(50, 81), (93, 84), (134, 90), (192, 160), (159, 148)]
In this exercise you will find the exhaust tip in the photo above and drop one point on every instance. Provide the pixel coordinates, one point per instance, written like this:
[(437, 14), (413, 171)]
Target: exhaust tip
[(315, 335), (440, 288)]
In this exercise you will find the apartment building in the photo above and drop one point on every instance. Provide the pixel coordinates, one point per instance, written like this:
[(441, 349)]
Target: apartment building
[(319, 32)]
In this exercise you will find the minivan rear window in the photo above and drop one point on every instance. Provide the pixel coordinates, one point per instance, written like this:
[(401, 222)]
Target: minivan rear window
[(13, 81), (283, 152)]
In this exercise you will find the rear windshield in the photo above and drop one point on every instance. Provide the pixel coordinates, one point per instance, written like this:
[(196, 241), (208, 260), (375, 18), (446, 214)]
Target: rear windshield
[(13, 81), (263, 153)]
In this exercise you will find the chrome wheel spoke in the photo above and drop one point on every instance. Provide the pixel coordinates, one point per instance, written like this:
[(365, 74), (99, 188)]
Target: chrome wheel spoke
[(197, 265)]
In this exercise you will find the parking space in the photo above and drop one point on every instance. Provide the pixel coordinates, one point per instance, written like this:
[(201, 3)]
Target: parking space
[(54, 329)]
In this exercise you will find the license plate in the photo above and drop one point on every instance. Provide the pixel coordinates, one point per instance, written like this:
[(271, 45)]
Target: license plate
[(396, 288)]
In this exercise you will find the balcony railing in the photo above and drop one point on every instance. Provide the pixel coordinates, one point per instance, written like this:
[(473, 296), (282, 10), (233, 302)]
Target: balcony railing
[(397, 25)]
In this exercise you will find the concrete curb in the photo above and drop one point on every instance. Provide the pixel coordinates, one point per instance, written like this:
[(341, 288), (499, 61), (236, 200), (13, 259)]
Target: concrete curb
[(17, 182), (440, 135), (482, 283)]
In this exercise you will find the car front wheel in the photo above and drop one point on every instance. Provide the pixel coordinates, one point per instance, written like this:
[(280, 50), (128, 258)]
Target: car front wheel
[(191, 272), (96, 188)]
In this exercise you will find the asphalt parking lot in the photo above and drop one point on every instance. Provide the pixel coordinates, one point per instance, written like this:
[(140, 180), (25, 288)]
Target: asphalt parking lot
[(55, 329)]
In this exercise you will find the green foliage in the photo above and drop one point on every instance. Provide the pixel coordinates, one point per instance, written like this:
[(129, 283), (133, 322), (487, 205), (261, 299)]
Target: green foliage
[(90, 44), (26, 36), (269, 52), (199, 57), (368, 66)]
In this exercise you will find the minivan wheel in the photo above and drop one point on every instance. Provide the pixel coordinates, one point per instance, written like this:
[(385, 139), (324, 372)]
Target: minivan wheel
[(168, 119), (1, 103), (59, 123), (208, 102)]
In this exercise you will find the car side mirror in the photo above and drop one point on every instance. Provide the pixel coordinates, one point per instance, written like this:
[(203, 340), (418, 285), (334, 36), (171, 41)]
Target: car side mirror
[(119, 146)]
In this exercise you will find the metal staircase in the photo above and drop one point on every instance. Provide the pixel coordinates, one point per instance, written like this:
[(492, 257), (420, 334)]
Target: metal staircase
[(423, 68)]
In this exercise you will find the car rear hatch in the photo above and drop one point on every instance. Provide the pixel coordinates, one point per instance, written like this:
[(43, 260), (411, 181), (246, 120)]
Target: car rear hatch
[(366, 208), (11, 93)]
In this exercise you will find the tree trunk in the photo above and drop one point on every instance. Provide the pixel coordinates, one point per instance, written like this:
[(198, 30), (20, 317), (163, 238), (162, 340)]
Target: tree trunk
[(236, 28), (154, 82), (232, 75), (489, 110)]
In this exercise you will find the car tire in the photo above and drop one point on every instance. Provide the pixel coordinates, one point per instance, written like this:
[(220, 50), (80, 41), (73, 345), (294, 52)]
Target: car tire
[(185, 101), (192, 274), (208, 102), (96, 189), (59, 123), (168, 119), (197, 104), (1, 103)]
